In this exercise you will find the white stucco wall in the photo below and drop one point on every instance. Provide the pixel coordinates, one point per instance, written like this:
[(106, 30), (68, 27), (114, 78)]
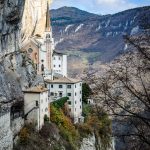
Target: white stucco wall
[(44, 107), (57, 64), (30, 101), (75, 98), (37, 115), (60, 64), (64, 64), (78, 100), (42, 56)]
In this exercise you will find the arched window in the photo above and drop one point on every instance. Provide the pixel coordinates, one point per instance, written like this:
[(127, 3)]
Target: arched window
[(36, 56), (48, 36), (42, 67)]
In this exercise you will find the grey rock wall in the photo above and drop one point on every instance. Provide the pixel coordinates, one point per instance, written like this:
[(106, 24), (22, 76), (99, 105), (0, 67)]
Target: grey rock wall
[(11, 12), (16, 73), (88, 143), (6, 135), (16, 69), (17, 125)]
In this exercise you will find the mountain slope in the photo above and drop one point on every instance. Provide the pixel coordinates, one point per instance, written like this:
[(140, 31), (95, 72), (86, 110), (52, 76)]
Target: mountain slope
[(79, 30), (67, 15), (89, 38)]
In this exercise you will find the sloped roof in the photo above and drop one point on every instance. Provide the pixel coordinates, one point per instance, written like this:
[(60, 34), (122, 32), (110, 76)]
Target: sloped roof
[(58, 53), (36, 89), (63, 80), (32, 40)]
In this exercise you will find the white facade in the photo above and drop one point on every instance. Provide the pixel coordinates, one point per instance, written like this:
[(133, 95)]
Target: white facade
[(60, 64), (47, 61), (65, 87), (36, 105)]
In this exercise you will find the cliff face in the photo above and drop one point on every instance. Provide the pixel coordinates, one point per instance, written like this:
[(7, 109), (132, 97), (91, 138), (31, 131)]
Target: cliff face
[(16, 69), (19, 19), (34, 18), (10, 17)]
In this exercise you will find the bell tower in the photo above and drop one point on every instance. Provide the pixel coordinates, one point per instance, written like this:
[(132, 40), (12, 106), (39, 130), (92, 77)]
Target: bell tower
[(49, 42)]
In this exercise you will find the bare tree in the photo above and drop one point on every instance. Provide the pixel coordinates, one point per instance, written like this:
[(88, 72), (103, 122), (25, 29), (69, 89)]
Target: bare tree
[(124, 91)]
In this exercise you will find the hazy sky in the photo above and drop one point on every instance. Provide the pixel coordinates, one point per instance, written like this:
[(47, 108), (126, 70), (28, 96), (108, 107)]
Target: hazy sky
[(101, 6)]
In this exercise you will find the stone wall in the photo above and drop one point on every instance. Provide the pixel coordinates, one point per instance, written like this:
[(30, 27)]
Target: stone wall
[(16, 69), (17, 125), (6, 136)]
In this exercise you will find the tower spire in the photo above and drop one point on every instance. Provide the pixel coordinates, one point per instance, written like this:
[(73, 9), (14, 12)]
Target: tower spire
[(48, 24)]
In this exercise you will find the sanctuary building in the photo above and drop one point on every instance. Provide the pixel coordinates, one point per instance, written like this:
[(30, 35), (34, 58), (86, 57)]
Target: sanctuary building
[(71, 88), (53, 66), (40, 49)]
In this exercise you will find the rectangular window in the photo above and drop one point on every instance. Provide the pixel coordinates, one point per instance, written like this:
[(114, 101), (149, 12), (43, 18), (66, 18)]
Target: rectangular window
[(51, 85), (75, 94), (60, 94), (52, 94), (75, 102), (69, 94), (69, 102), (37, 103), (60, 86), (69, 86), (59, 66), (80, 92)]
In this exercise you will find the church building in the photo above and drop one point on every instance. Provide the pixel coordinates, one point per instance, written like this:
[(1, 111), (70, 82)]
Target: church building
[(40, 49), (53, 66)]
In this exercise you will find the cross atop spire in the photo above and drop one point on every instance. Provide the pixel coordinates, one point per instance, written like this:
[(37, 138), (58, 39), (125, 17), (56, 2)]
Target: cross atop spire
[(48, 24)]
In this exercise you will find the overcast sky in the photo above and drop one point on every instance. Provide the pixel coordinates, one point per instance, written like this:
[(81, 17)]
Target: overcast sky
[(101, 6)]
